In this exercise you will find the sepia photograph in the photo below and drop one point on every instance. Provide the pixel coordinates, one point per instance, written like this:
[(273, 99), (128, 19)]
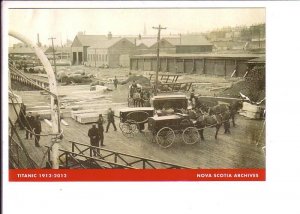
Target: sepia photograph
[(143, 88)]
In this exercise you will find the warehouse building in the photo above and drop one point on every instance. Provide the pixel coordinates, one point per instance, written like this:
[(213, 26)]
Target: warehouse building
[(113, 52), (80, 44), (206, 63)]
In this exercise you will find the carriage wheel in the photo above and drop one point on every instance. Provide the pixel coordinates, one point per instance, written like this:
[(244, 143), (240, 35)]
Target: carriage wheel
[(190, 135), (126, 130), (165, 137), (120, 125), (129, 128), (133, 125)]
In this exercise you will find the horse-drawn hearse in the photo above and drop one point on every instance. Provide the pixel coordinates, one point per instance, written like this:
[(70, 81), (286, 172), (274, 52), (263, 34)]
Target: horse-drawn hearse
[(171, 117)]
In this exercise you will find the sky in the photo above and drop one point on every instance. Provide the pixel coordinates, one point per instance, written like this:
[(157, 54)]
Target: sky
[(64, 24)]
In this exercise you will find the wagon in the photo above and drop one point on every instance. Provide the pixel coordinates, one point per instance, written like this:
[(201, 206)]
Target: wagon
[(133, 120), (165, 129)]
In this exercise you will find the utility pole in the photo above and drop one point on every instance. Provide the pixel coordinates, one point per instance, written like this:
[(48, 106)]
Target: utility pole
[(159, 28), (52, 38)]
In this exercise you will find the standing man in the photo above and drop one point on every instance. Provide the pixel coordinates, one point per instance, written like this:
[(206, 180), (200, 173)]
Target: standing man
[(116, 82), (101, 129), (110, 119), (37, 131), (94, 138), (29, 124)]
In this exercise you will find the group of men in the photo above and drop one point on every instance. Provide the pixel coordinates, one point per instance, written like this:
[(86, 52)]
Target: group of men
[(31, 124), (96, 134)]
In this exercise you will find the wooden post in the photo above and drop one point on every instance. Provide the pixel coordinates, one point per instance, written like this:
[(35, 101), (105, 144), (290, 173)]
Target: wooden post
[(225, 68), (204, 66), (183, 65), (167, 66)]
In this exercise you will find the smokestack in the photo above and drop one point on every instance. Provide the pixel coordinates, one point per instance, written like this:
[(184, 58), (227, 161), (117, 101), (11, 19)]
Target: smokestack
[(109, 36), (38, 40)]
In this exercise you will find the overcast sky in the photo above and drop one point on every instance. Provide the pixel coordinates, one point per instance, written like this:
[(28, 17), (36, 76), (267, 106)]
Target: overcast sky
[(65, 23)]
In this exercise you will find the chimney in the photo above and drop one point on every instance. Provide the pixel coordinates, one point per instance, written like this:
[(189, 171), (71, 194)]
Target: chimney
[(38, 40), (140, 37), (109, 36)]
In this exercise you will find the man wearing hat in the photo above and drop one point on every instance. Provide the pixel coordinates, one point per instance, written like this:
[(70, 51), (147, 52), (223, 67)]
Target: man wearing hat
[(100, 122), (93, 134), (110, 119)]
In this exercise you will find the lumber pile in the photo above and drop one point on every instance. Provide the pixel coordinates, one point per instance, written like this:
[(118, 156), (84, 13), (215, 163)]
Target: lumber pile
[(252, 111)]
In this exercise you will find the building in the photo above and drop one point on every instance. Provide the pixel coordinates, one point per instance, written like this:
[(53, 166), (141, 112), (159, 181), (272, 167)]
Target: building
[(205, 63), (60, 52), (112, 52), (183, 44), (80, 45)]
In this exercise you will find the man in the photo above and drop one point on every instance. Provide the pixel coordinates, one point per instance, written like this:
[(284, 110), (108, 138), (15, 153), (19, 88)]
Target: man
[(116, 82), (110, 119), (37, 131), (133, 88), (22, 115), (100, 122), (29, 124), (94, 138)]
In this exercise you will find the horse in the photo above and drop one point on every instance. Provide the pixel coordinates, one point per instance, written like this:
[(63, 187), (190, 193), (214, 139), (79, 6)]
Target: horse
[(206, 120), (233, 108)]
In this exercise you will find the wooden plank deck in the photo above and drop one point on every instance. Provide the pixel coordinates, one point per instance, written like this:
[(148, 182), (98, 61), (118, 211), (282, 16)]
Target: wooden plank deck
[(237, 150)]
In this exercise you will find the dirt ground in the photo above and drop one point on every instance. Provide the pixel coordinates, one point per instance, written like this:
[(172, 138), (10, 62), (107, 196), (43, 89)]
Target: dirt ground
[(240, 149)]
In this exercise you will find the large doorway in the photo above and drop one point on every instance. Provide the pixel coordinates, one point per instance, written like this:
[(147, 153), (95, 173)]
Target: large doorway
[(79, 58), (74, 58)]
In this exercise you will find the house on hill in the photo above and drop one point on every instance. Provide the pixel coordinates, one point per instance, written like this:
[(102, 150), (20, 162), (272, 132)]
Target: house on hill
[(112, 52)]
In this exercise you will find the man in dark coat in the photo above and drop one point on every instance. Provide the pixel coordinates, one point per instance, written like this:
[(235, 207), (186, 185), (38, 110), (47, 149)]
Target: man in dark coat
[(37, 130), (100, 123), (94, 138), (22, 115), (29, 124), (116, 82), (110, 119)]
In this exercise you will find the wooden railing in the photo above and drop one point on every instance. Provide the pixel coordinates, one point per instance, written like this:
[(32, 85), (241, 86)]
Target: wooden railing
[(123, 159)]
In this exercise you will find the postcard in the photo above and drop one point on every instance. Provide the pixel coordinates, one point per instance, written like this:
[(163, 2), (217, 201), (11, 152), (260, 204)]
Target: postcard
[(136, 94)]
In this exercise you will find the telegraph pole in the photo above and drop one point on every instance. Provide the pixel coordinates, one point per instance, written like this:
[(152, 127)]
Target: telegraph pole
[(159, 28), (52, 38)]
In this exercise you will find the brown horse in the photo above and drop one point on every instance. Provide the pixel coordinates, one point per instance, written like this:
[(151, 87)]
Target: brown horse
[(204, 121), (233, 108)]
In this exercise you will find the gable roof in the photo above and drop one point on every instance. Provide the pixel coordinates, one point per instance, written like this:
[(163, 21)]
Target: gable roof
[(87, 40), (146, 41)]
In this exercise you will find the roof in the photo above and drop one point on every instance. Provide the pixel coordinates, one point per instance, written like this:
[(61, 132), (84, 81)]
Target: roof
[(168, 117), (169, 97), (89, 40), (202, 55), (137, 109), (104, 44), (173, 41), (58, 49), (147, 41), (22, 50)]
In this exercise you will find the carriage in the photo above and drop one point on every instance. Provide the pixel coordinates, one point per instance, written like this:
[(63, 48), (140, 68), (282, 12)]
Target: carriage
[(133, 120), (162, 128), (165, 129)]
